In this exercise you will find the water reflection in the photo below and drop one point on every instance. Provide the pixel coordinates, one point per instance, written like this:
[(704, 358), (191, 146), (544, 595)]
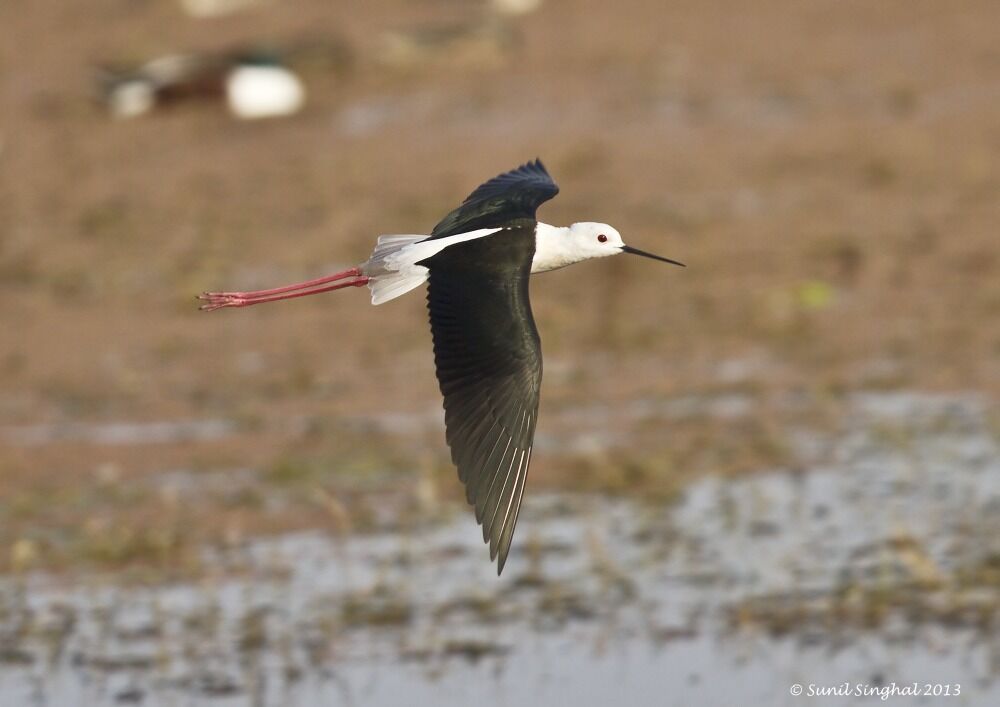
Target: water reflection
[(877, 563)]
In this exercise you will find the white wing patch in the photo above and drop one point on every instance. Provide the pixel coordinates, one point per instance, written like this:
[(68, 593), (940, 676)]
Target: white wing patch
[(392, 268)]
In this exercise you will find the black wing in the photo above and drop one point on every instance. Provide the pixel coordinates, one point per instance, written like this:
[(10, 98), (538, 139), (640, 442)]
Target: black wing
[(512, 195), (489, 366)]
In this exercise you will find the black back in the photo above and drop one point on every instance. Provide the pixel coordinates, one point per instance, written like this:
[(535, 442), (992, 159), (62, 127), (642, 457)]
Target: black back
[(489, 367), (510, 196)]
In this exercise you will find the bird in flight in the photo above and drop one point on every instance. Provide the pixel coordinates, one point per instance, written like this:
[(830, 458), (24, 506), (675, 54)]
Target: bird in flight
[(487, 352)]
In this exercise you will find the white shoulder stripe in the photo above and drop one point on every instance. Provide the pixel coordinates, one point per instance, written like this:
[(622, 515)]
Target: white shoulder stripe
[(392, 269)]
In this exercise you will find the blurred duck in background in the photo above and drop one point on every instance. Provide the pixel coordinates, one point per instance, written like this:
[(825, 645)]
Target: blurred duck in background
[(261, 81), (254, 84)]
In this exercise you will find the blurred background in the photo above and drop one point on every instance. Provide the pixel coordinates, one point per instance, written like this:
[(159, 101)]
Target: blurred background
[(780, 465)]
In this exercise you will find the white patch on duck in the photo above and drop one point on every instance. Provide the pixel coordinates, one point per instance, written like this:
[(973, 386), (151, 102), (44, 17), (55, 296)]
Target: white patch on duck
[(132, 98), (254, 92)]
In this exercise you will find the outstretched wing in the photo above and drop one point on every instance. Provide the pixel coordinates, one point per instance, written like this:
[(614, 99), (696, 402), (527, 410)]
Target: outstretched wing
[(512, 195), (489, 367)]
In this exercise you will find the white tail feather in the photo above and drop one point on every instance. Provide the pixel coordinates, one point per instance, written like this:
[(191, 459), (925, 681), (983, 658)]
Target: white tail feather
[(392, 287), (390, 273)]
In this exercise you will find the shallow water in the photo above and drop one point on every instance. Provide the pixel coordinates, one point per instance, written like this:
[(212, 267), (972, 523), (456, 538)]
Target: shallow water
[(862, 565)]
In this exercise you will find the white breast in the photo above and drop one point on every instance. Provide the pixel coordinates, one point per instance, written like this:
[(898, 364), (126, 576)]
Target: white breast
[(552, 248)]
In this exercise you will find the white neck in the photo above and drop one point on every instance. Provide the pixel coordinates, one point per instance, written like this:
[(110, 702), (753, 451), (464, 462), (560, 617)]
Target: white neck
[(552, 248)]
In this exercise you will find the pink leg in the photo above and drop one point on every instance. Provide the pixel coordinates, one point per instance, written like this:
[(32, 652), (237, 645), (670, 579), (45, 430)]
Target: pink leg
[(218, 300), (353, 272)]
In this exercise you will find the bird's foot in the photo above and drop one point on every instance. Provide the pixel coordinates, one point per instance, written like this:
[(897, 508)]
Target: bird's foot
[(218, 300)]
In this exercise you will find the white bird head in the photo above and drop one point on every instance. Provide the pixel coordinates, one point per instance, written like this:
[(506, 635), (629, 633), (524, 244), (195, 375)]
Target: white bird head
[(599, 240), (559, 247), (594, 240)]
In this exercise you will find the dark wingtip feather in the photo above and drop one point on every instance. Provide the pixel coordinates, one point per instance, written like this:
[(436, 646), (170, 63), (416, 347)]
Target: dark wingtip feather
[(500, 554), (511, 195)]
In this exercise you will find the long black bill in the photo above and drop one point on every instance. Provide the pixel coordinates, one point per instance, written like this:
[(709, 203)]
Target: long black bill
[(636, 251)]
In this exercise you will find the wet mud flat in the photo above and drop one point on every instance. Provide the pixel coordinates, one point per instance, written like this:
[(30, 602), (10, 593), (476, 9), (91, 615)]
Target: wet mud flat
[(876, 560)]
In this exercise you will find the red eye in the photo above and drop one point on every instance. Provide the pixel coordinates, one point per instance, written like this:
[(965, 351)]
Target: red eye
[(602, 238)]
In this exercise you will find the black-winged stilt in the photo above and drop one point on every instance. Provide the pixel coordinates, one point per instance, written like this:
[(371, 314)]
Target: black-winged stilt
[(477, 261)]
